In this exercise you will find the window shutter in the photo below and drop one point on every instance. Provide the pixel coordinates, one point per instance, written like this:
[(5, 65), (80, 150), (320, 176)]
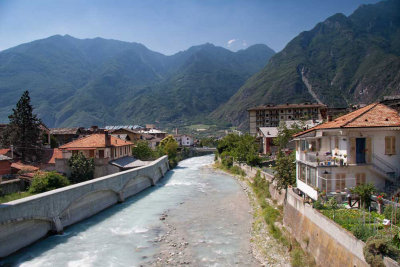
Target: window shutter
[(352, 158), (369, 150), (343, 182), (363, 180), (337, 182), (393, 145), (329, 181), (357, 179), (387, 145)]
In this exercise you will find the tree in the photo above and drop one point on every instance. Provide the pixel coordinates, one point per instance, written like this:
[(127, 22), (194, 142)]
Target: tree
[(142, 151), (169, 146), (285, 170), (47, 181), (285, 134), (364, 191), (23, 131), (82, 169)]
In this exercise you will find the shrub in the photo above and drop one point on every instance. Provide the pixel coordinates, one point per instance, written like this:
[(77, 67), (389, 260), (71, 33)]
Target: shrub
[(362, 231), (142, 151), (237, 170), (364, 191), (332, 203), (82, 169), (43, 182), (377, 247), (318, 205)]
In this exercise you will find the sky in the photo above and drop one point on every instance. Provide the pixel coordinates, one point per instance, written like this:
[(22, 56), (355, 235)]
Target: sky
[(168, 26)]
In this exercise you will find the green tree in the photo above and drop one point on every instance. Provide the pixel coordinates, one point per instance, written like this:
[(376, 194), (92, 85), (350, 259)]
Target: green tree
[(285, 170), (82, 169), (142, 151), (169, 146), (23, 131), (285, 134), (47, 181), (364, 191)]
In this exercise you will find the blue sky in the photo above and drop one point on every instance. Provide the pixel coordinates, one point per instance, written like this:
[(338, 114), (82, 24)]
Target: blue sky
[(168, 26)]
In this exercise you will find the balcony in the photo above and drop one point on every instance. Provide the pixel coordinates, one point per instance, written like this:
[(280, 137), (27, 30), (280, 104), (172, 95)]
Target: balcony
[(322, 159)]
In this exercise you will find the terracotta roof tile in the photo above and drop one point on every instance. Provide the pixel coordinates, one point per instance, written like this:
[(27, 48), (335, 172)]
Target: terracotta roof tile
[(4, 151), (94, 141), (25, 167), (373, 115)]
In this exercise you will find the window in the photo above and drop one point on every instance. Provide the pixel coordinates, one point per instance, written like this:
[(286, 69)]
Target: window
[(360, 178), (336, 142), (311, 176), (115, 152), (390, 145), (340, 181), (302, 172)]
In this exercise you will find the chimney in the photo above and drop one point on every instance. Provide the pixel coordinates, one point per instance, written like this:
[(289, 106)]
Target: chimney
[(107, 139)]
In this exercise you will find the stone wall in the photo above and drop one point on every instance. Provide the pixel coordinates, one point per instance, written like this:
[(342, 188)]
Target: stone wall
[(26, 220), (329, 243)]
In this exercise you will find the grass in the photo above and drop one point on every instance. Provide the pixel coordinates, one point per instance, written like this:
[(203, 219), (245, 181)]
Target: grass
[(14, 196)]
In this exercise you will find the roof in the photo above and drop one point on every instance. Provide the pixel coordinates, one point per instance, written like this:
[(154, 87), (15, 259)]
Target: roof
[(282, 106), (22, 166), (50, 155), (129, 162), (94, 141), (3, 157), (4, 151), (64, 131), (269, 131), (373, 115), (129, 127)]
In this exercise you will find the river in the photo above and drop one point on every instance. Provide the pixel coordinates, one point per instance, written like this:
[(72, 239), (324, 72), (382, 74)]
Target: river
[(194, 215)]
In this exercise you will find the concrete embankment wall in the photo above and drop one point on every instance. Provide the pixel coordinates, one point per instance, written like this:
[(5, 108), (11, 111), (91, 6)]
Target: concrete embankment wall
[(26, 220), (327, 242)]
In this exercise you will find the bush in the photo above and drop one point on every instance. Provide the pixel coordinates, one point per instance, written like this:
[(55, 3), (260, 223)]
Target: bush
[(142, 151), (237, 170), (43, 182), (82, 169), (378, 247), (318, 205), (332, 203), (362, 231), (364, 191)]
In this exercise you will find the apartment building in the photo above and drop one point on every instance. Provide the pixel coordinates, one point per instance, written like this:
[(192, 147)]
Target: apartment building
[(272, 115)]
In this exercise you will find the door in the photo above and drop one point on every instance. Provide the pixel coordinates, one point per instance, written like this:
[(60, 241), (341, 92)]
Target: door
[(360, 150), (101, 154)]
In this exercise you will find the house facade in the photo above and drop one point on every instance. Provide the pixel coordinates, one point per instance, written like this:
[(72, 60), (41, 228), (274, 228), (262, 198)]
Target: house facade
[(102, 147), (184, 139), (360, 147)]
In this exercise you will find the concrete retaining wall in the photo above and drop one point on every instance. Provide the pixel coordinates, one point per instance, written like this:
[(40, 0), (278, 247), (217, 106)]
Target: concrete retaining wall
[(26, 220), (329, 243)]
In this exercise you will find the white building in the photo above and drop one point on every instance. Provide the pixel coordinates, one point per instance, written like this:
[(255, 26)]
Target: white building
[(184, 139), (360, 147)]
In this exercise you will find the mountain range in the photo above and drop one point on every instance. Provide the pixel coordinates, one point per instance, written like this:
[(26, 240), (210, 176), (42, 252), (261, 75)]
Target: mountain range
[(84, 82), (341, 61)]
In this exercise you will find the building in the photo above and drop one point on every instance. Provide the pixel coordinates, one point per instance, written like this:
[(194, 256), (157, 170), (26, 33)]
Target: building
[(272, 115), (360, 147), (154, 132), (102, 147), (66, 135), (127, 134), (266, 136), (5, 165), (392, 101), (184, 139)]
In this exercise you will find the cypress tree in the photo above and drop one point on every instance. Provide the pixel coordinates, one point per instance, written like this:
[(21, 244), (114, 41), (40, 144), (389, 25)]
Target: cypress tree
[(23, 131)]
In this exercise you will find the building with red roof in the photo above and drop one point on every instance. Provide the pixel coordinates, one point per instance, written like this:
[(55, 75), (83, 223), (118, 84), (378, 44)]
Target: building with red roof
[(102, 147), (360, 147)]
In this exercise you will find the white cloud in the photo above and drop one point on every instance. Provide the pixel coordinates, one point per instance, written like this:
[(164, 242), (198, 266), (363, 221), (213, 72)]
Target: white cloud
[(230, 42), (244, 43)]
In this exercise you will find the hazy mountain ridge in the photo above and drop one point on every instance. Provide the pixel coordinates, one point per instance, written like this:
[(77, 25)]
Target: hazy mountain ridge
[(96, 81), (346, 60)]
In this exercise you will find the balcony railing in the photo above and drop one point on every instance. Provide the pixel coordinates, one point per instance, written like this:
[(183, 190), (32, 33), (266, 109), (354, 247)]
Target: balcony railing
[(321, 159)]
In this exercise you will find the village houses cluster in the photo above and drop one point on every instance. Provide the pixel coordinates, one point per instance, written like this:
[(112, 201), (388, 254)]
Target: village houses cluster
[(110, 148)]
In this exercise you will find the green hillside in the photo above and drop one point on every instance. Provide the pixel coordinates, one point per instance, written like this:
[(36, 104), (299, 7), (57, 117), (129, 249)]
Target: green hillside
[(343, 60), (83, 82)]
